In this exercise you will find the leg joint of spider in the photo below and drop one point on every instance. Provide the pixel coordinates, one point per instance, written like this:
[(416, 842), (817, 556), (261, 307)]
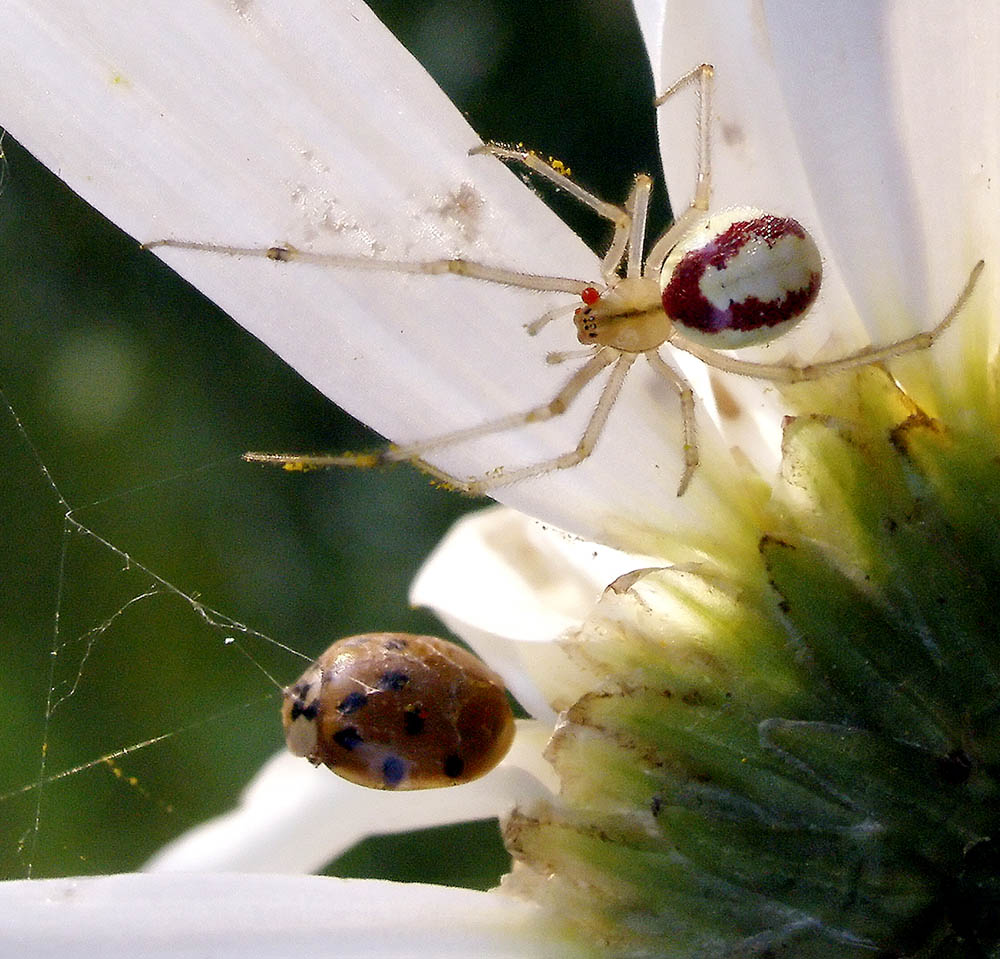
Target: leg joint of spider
[(555, 408), (574, 457)]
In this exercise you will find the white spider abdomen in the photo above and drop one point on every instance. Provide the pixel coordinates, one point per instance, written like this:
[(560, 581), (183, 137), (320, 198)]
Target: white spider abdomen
[(741, 277)]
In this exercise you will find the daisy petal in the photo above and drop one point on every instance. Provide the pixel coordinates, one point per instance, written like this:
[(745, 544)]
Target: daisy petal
[(510, 586), (223, 916), (650, 14), (294, 817), (755, 154), (263, 124), (891, 110), (870, 125)]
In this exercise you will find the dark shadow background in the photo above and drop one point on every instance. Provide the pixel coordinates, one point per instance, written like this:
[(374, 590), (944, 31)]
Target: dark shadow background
[(140, 396)]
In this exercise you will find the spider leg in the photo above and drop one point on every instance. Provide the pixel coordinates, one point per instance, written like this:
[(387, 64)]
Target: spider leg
[(701, 75), (689, 426), (456, 266), (583, 449), (415, 452), (536, 164), (535, 326), (638, 208), (561, 356), (785, 373), (612, 259), (629, 223)]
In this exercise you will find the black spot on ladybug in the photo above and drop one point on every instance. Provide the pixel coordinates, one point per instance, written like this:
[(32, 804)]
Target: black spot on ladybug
[(351, 703), (348, 738), (454, 766), (303, 711), (393, 679), (393, 770), (414, 720), (393, 645)]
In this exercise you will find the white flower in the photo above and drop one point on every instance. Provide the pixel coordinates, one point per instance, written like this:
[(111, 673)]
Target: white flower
[(874, 127)]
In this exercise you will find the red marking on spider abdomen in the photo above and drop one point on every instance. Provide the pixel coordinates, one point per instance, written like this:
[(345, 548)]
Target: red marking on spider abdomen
[(749, 279)]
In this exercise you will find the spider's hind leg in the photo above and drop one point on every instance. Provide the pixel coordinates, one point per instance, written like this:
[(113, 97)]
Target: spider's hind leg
[(868, 356)]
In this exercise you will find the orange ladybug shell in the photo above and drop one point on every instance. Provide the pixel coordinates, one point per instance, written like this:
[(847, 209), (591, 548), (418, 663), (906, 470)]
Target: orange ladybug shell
[(398, 711)]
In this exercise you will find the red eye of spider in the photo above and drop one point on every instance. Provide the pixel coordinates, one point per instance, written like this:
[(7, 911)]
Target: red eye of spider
[(590, 295)]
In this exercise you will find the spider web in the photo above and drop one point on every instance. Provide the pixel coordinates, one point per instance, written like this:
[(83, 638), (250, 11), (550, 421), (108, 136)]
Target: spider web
[(144, 709), (136, 707), (75, 656)]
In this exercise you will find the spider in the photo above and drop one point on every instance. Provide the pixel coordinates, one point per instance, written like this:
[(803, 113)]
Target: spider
[(712, 282)]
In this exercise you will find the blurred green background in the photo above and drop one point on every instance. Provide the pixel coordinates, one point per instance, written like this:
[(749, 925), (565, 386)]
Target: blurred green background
[(140, 396)]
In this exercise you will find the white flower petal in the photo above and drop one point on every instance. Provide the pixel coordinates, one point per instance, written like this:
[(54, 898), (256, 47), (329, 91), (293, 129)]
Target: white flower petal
[(181, 916), (755, 161), (873, 125), (509, 587), (294, 817), (309, 124), (876, 126), (893, 109)]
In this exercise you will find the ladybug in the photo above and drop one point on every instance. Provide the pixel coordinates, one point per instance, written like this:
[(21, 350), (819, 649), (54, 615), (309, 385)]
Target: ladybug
[(399, 711)]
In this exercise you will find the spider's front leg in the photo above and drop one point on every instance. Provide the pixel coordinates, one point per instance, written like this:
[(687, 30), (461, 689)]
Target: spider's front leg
[(702, 76), (456, 266), (629, 223), (591, 434), (558, 175)]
